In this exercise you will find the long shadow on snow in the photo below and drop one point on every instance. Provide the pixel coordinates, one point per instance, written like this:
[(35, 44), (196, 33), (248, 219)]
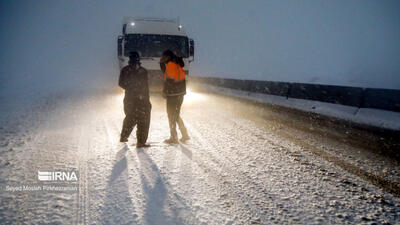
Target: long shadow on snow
[(163, 205), (186, 151), (117, 206)]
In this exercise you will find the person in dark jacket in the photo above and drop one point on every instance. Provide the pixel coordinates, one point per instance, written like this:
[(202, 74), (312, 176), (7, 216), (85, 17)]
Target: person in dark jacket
[(174, 89), (137, 107)]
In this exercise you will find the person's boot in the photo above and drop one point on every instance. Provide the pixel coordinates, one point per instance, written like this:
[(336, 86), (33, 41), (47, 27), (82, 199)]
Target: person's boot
[(185, 138), (171, 141), (123, 139), (142, 145)]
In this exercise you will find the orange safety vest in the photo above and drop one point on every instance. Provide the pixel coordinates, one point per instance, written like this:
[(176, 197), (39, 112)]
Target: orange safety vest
[(174, 71)]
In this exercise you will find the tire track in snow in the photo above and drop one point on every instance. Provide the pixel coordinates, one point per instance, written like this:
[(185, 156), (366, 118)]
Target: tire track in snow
[(227, 176), (214, 149), (381, 182), (221, 172), (85, 151), (83, 186), (255, 130)]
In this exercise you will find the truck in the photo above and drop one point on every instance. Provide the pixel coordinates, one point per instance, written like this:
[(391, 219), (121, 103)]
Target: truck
[(150, 37)]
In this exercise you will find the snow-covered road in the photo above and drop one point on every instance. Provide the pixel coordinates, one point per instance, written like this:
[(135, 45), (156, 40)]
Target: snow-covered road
[(240, 167)]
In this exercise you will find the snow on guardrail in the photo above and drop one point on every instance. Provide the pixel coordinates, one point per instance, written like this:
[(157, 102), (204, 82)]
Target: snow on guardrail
[(386, 99)]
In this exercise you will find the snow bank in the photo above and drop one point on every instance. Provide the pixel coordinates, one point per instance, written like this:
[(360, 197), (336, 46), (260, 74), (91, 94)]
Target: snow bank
[(364, 116)]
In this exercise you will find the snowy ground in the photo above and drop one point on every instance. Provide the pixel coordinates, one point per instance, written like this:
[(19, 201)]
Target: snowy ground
[(240, 167)]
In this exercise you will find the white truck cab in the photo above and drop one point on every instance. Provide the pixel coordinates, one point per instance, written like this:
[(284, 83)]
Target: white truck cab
[(150, 37)]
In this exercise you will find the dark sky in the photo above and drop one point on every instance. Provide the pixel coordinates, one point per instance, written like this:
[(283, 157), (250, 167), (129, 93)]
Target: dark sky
[(341, 42)]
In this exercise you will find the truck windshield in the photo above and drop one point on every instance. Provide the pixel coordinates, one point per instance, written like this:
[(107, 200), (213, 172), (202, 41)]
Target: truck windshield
[(153, 45)]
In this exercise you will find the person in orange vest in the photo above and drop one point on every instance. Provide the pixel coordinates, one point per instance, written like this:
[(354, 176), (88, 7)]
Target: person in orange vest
[(174, 89)]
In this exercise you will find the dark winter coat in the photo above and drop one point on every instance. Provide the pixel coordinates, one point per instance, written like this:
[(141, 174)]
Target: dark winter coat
[(135, 81)]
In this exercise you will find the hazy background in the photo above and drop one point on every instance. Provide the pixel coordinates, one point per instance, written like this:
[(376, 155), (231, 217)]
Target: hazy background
[(344, 42)]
